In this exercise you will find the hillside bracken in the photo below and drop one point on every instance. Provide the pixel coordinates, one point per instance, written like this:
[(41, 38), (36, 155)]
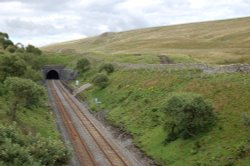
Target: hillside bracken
[(207, 42)]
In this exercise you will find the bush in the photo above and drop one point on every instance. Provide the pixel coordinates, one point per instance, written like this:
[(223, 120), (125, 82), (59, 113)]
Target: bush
[(4, 35), (33, 49), (23, 92), (109, 68), (187, 115), (83, 65), (19, 149), (11, 65), (20, 50), (35, 62), (11, 48), (32, 74), (101, 81), (242, 151), (6, 43), (246, 119), (2, 89), (26, 90)]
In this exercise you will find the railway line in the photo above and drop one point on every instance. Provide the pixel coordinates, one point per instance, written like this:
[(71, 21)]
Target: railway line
[(111, 154)]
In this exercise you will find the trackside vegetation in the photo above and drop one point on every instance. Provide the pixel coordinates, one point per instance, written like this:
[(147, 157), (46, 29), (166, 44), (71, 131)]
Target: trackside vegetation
[(101, 81), (20, 149), (135, 100), (83, 65), (23, 92), (187, 114), (108, 68), (141, 101), (28, 134), (138, 101), (177, 117)]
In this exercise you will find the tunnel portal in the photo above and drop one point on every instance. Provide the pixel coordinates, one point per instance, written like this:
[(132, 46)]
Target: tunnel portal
[(52, 74), (58, 72)]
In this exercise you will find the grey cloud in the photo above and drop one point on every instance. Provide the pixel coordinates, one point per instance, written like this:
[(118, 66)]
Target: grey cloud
[(39, 21), (29, 27)]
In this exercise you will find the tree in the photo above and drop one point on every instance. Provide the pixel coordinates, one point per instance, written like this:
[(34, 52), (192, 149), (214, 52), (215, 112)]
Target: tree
[(11, 48), (4, 40), (11, 65), (83, 65), (4, 35), (33, 49), (109, 68), (101, 81), (19, 45), (32, 74), (23, 92), (7, 43), (20, 50), (187, 114), (35, 62)]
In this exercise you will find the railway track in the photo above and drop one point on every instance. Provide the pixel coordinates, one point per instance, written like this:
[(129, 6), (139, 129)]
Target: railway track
[(110, 152), (81, 150)]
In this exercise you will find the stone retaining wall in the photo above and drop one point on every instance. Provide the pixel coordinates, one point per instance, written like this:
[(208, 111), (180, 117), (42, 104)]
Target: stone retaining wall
[(243, 68)]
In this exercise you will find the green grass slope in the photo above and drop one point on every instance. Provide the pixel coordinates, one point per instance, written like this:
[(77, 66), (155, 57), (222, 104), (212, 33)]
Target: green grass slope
[(134, 99), (215, 42)]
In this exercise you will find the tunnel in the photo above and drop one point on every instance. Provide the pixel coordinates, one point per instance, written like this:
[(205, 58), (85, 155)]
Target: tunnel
[(52, 74)]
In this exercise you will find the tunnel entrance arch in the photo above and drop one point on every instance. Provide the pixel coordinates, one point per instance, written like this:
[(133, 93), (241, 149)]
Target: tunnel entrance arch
[(58, 72), (52, 74)]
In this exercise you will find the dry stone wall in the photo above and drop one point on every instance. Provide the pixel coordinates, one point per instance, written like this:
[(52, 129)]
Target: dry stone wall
[(242, 68)]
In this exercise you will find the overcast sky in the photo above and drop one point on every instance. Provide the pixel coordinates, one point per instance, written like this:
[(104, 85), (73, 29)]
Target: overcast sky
[(42, 22)]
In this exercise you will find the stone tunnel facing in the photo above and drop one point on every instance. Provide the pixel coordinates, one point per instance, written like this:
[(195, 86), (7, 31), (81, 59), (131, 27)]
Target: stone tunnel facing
[(52, 74)]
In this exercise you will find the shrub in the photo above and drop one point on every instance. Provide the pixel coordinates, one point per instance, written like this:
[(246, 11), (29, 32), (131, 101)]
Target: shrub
[(33, 49), (23, 92), (242, 151), (12, 65), (19, 149), (187, 115), (109, 68), (4, 35), (32, 74), (11, 48), (6, 43), (2, 89), (246, 119), (101, 80), (83, 65), (20, 50)]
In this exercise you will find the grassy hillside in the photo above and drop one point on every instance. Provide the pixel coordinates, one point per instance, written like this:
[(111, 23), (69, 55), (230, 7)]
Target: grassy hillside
[(134, 98), (134, 101), (215, 42)]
